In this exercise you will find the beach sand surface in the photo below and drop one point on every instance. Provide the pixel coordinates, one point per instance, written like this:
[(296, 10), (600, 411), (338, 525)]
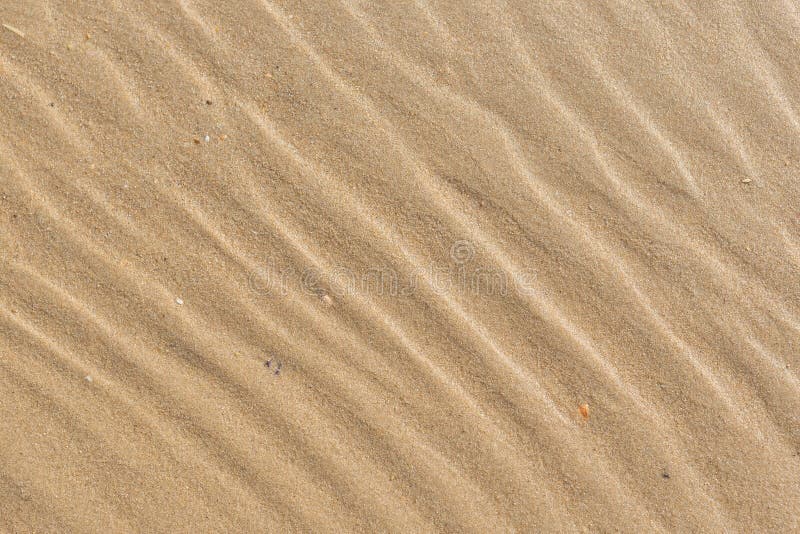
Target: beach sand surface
[(408, 266)]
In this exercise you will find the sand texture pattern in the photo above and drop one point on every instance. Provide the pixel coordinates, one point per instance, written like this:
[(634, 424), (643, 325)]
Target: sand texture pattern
[(399, 266)]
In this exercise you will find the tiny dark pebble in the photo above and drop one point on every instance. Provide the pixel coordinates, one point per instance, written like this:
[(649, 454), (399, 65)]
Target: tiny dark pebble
[(208, 102), (52, 104), (277, 368), (664, 475)]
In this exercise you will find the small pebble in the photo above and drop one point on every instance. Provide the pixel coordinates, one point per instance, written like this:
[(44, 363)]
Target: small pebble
[(179, 301), (87, 378), (277, 368), (746, 181), (207, 139), (208, 102)]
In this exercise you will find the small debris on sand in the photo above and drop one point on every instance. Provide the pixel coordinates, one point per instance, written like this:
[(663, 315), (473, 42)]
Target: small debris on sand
[(179, 301), (12, 29), (584, 409), (88, 378), (746, 180), (207, 138), (278, 365), (664, 475)]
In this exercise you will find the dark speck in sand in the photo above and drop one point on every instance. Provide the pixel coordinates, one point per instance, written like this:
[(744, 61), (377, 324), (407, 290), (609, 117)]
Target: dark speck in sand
[(278, 365)]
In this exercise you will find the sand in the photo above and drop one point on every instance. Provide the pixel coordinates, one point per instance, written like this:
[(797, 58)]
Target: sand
[(408, 266)]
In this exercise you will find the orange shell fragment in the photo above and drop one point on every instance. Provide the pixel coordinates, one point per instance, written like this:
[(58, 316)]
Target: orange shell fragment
[(584, 409)]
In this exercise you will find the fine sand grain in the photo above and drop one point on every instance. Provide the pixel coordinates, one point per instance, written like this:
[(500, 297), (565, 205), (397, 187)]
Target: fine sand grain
[(399, 266)]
